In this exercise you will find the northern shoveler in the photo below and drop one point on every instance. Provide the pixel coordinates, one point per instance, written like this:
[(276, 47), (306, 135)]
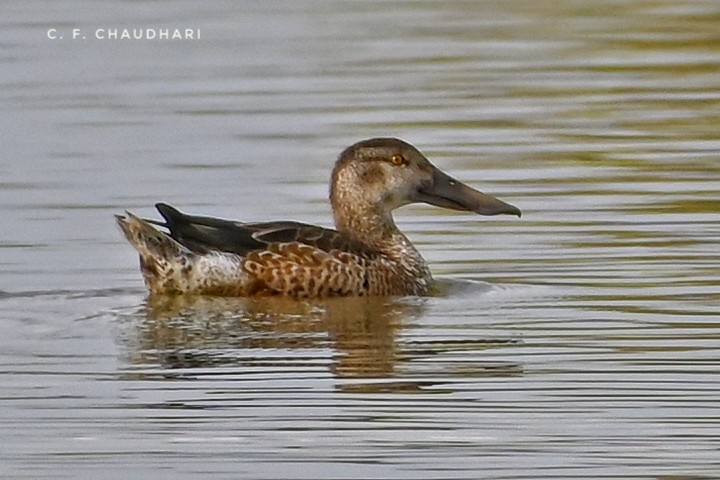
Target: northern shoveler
[(365, 255)]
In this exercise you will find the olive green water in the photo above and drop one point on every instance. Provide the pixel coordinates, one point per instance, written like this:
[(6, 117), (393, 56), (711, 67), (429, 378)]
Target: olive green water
[(581, 341)]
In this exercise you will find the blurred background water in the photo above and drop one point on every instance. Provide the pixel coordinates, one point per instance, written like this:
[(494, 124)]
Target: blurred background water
[(579, 341)]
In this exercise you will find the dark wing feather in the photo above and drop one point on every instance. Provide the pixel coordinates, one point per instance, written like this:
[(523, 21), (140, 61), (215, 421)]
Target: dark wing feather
[(203, 234)]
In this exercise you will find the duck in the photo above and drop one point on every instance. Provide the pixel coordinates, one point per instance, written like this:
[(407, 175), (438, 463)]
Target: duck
[(364, 255)]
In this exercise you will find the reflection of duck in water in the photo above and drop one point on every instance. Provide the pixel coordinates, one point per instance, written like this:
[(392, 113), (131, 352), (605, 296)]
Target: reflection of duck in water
[(366, 255), (359, 339), (203, 331)]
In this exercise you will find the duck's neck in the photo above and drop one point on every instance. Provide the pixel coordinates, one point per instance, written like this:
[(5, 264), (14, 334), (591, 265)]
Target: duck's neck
[(376, 228), (367, 223)]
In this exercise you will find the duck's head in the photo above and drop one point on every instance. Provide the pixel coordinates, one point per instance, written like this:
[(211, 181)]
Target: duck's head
[(382, 174)]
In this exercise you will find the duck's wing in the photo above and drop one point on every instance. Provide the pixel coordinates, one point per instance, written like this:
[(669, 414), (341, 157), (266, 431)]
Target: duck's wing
[(204, 234)]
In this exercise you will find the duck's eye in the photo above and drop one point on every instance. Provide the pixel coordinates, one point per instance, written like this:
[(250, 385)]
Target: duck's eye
[(398, 160)]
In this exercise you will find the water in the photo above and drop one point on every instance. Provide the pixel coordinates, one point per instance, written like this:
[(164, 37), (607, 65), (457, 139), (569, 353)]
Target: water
[(579, 341)]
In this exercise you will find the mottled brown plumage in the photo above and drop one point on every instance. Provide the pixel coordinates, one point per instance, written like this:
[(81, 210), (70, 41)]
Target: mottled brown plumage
[(365, 255)]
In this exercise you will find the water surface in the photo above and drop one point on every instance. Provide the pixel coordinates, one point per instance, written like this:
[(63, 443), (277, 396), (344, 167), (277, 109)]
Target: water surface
[(579, 341)]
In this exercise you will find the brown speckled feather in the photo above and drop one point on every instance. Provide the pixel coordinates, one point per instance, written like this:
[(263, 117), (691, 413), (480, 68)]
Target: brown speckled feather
[(303, 270), (286, 258)]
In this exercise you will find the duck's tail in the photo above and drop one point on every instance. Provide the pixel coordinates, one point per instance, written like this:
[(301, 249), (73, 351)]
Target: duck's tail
[(171, 268), (146, 239), (162, 259)]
